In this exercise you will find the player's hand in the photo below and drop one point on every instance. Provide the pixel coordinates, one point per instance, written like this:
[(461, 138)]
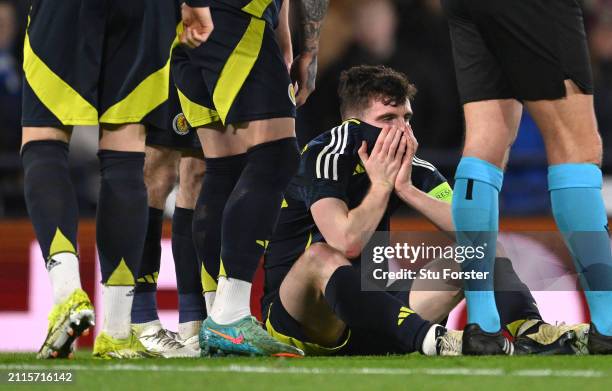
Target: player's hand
[(304, 75), (404, 176), (385, 161), (198, 25)]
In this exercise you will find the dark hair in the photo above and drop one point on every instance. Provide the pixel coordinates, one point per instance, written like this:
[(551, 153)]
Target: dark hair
[(360, 84)]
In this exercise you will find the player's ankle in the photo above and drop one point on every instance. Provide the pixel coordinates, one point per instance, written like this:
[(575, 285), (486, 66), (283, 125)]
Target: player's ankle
[(151, 325), (232, 301), (187, 330), (64, 274), (117, 308), (209, 299)]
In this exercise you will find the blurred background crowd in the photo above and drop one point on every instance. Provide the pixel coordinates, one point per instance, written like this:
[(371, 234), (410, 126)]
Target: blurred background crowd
[(408, 35)]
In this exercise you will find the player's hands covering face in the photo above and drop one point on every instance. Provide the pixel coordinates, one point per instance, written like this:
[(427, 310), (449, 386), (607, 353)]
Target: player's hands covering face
[(404, 176), (385, 160)]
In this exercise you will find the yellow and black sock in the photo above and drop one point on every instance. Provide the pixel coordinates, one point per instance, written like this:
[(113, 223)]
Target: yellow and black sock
[(253, 208), (219, 181), (189, 285), (144, 307), (50, 196), (122, 215)]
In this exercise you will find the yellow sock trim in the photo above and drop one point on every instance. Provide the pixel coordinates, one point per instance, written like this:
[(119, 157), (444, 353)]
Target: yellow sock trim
[(209, 284), (61, 244), (222, 272), (122, 276)]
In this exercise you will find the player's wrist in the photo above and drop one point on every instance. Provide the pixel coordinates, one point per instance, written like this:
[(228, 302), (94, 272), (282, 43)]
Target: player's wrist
[(382, 186), (309, 53), (406, 190)]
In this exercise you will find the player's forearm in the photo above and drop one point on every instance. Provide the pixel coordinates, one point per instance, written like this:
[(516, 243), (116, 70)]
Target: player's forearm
[(283, 34), (436, 211), (313, 12), (363, 220)]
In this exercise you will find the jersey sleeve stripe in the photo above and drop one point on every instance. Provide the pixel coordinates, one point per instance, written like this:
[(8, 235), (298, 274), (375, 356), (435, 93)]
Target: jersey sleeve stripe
[(339, 132), (336, 156), (431, 168), (422, 163), (324, 151)]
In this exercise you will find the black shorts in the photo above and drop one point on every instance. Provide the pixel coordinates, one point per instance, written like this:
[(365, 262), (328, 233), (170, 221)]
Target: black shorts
[(518, 49), (355, 342), (91, 61), (183, 139), (237, 75), (168, 127)]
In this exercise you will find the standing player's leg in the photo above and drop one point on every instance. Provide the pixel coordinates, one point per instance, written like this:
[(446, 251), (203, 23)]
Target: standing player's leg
[(160, 175), (59, 92), (121, 226), (192, 308), (574, 150), (134, 81), (491, 127), (248, 220), (54, 212), (222, 174), (492, 117), (252, 209)]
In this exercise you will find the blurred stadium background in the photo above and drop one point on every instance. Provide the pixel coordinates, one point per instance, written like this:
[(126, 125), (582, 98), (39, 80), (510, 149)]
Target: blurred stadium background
[(408, 35)]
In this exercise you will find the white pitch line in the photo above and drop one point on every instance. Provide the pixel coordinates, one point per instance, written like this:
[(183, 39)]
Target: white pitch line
[(544, 372)]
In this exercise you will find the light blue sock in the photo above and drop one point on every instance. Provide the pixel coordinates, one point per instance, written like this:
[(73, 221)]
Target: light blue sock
[(575, 193), (475, 215)]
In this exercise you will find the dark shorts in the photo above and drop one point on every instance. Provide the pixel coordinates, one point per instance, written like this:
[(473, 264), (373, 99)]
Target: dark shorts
[(518, 49), (183, 140), (90, 61), (237, 75), (168, 127), (282, 326)]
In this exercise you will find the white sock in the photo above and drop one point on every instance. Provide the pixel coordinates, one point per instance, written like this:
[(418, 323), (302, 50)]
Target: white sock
[(117, 310), (64, 274), (430, 342), (209, 298), (189, 329), (232, 301)]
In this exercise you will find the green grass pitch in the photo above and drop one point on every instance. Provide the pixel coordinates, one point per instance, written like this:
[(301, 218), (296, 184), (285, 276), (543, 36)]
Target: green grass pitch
[(412, 372)]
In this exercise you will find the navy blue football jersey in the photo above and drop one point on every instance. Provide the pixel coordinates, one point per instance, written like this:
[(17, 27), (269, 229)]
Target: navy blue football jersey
[(330, 168), (266, 9)]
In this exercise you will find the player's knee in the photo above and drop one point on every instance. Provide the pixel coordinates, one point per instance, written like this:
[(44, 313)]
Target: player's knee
[(595, 151), (122, 171), (190, 181), (160, 181), (276, 161), (323, 260), (571, 150), (191, 175)]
